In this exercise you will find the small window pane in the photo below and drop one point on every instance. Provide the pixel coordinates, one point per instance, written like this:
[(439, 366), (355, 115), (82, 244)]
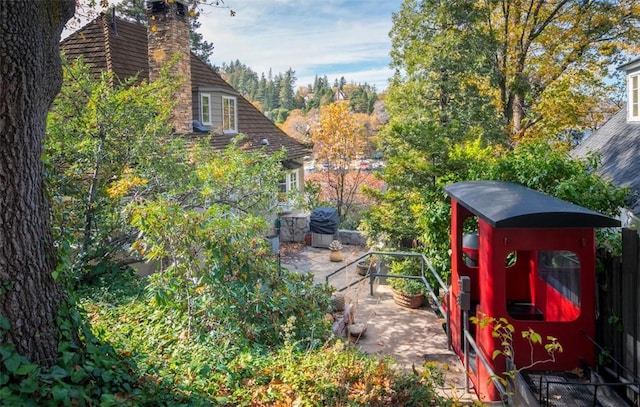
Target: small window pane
[(634, 97), (229, 114), (205, 109), (293, 181)]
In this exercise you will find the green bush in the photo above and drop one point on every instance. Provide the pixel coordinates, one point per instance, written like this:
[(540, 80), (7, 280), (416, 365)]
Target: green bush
[(406, 267), (416, 207), (223, 368)]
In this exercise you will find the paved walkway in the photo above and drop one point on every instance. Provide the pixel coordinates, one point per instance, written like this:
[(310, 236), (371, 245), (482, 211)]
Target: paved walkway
[(410, 337)]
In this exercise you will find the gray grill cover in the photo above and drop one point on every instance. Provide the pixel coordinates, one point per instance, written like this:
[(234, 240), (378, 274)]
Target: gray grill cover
[(324, 221)]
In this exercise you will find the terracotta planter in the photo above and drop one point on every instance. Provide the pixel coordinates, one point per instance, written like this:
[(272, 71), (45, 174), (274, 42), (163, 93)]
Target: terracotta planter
[(407, 301), (336, 255), (364, 267)]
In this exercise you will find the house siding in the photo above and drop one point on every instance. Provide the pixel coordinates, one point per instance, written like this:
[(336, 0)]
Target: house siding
[(216, 108)]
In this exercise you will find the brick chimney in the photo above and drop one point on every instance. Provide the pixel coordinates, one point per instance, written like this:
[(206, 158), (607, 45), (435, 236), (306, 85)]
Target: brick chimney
[(168, 35)]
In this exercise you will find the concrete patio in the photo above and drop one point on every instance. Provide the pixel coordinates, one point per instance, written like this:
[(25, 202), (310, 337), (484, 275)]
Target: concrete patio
[(412, 337)]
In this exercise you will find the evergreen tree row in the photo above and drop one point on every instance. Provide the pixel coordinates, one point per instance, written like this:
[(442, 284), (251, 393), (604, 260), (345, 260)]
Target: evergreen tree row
[(275, 95)]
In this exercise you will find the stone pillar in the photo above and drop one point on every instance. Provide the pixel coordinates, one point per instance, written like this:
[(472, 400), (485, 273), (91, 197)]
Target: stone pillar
[(293, 226), (168, 36)]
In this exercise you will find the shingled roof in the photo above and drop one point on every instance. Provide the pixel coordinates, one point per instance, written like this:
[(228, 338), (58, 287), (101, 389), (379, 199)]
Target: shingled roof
[(618, 144), (120, 46)]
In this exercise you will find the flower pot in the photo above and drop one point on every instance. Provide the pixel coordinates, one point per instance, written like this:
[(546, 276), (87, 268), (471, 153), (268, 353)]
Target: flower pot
[(336, 255), (407, 301), (363, 268)]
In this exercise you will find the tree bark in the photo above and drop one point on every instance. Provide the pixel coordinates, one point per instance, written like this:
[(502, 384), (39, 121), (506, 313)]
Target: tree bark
[(30, 77)]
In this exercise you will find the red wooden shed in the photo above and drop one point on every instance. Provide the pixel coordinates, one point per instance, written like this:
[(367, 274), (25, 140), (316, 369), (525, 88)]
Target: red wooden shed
[(529, 258)]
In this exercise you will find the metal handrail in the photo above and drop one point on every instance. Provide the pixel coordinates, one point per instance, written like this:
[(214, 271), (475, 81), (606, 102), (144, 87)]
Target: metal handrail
[(596, 386), (479, 355), (618, 364), (422, 276)]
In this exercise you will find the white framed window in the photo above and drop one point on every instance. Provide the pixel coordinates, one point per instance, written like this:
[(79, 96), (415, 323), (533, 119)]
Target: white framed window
[(633, 89), (205, 109), (289, 182), (292, 181), (229, 114)]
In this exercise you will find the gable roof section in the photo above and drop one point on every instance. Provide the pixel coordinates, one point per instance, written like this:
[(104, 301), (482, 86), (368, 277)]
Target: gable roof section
[(618, 144), (119, 47), (122, 48)]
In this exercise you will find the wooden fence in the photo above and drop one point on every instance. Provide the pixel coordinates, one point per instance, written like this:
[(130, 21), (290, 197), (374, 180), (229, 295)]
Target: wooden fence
[(618, 319)]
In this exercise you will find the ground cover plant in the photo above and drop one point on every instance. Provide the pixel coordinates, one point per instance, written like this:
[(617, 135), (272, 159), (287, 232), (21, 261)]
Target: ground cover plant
[(227, 368)]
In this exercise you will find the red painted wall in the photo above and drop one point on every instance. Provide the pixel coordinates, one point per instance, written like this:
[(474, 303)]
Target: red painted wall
[(494, 285)]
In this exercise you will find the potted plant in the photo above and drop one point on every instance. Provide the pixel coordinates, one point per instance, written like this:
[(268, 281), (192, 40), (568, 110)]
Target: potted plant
[(364, 266), (406, 292), (336, 251)]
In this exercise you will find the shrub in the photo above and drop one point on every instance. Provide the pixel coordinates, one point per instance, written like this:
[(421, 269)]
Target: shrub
[(406, 267)]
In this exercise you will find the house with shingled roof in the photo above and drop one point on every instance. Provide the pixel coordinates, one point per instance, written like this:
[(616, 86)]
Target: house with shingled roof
[(204, 101), (617, 143)]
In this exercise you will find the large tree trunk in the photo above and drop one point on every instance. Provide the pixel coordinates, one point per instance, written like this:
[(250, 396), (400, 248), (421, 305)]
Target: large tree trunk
[(30, 77)]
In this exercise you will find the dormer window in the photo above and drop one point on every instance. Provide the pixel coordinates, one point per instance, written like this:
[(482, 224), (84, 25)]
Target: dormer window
[(229, 115), (205, 109), (634, 96)]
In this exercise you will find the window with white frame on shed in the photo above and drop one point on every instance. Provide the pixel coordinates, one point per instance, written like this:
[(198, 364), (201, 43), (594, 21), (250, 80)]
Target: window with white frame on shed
[(205, 109), (634, 97), (229, 115)]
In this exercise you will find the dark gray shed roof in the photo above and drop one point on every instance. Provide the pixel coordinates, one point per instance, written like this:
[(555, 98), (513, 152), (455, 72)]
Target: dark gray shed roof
[(618, 144), (507, 205)]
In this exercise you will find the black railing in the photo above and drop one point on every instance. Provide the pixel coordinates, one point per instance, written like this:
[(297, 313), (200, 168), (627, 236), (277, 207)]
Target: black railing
[(470, 342), (426, 267), (578, 388)]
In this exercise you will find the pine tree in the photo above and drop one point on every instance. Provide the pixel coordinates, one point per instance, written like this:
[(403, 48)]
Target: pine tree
[(134, 10)]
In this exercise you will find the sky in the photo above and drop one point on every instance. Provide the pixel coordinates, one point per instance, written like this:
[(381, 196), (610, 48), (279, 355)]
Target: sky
[(335, 38)]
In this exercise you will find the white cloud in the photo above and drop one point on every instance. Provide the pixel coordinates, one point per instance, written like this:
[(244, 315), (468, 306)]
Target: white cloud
[(336, 38), (333, 38)]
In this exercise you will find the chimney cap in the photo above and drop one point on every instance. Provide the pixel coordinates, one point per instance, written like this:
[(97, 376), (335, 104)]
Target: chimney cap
[(163, 6)]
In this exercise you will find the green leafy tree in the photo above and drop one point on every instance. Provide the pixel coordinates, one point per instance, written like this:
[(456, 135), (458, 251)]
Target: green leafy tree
[(540, 64), (218, 269), (134, 10), (425, 214), (436, 99), (466, 74), (102, 141)]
